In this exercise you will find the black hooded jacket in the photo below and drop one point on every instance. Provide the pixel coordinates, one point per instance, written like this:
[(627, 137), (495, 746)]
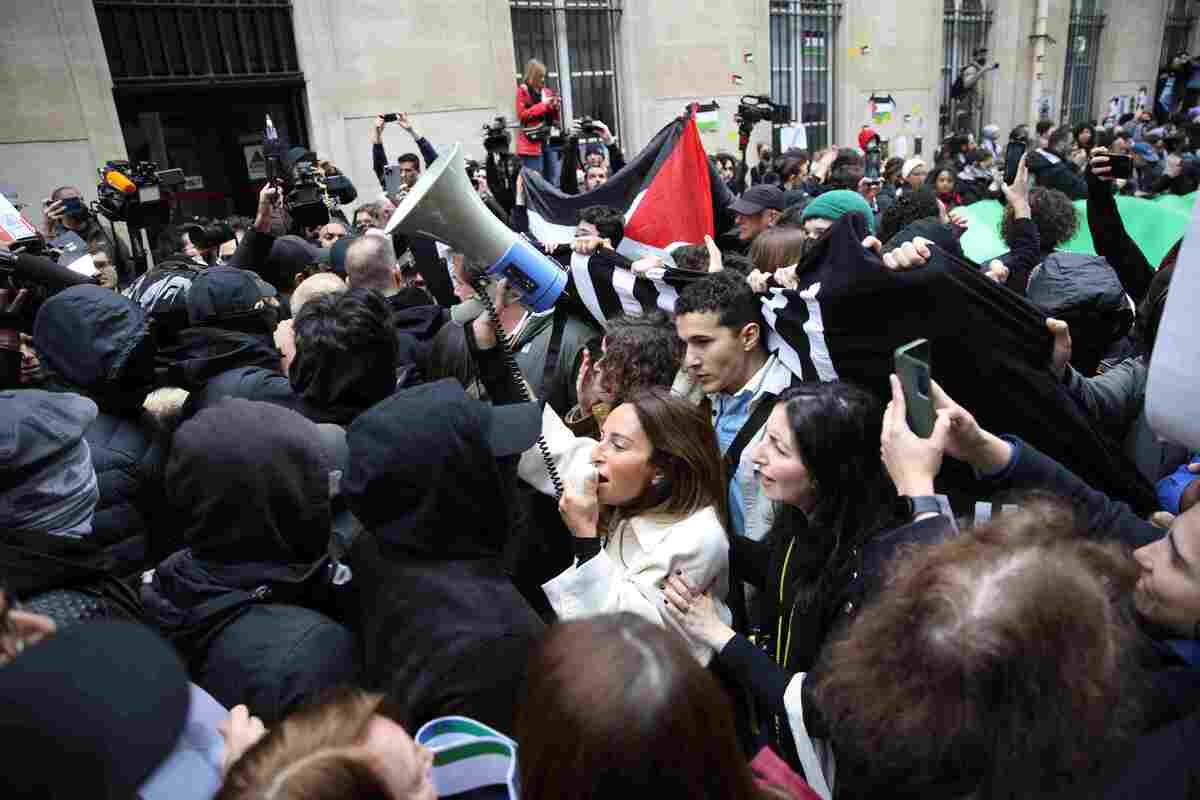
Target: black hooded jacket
[(444, 629), (98, 344), (249, 484), (204, 352)]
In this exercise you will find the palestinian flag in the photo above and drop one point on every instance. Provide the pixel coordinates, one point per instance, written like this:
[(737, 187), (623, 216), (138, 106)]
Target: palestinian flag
[(990, 346), (666, 192)]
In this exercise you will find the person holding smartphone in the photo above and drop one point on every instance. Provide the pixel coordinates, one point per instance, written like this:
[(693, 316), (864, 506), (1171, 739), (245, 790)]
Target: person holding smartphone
[(65, 210), (841, 512)]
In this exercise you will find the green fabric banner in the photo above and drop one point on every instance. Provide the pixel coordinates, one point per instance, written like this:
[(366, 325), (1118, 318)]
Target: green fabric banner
[(1154, 224)]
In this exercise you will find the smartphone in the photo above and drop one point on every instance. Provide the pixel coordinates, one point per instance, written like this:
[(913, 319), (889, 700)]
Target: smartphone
[(1121, 165), (913, 367), (1012, 160), (390, 117), (391, 179)]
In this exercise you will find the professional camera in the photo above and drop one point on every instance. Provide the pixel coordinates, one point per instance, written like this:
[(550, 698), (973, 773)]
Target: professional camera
[(309, 189), (131, 192), (205, 235), (588, 127), (496, 136), (754, 109)]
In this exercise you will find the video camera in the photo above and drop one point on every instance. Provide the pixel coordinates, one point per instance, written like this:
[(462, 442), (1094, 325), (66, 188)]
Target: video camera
[(754, 108), (205, 235), (308, 190), (496, 136), (131, 192)]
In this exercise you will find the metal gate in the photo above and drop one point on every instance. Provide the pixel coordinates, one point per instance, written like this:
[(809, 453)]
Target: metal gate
[(1083, 58), (803, 63), (575, 38), (965, 28), (183, 43)]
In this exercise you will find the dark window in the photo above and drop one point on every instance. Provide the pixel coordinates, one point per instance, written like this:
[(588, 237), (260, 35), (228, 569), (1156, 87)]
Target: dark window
[(803, 57), (198, 42), (575, 39), (965, 29), (1083, 57)]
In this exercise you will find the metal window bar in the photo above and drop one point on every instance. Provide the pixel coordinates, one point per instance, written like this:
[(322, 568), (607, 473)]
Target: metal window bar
[(178, 43), (577, 41), (803, 63), (1083, 56), (965, 28)]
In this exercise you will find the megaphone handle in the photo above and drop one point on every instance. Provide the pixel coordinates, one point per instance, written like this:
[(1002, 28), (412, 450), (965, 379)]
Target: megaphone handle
[(506, 348)]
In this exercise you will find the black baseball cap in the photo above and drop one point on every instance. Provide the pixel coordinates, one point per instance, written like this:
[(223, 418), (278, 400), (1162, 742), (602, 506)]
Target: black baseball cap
[(756, 198), (220, 292)]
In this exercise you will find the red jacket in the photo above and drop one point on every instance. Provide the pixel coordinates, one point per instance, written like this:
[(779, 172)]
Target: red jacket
[(531, 114)]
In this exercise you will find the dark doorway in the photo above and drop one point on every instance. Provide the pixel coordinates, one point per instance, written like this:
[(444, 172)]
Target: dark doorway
[(213, 135)]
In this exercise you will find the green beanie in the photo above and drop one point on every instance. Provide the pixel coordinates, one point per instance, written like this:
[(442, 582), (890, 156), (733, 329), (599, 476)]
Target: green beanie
[(832, 205)]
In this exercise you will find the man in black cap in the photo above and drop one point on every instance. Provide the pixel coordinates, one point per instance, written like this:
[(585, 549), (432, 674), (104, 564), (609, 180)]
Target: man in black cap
[(756, 210), (233, 314)]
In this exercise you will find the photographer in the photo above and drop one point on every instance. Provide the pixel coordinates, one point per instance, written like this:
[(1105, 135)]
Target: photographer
[(595, 171), (65, 210)]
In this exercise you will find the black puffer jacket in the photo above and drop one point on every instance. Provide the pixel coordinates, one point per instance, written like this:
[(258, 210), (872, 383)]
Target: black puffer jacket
[(96, 343)]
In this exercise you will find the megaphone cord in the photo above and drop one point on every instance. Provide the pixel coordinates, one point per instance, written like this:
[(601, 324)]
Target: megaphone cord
[(506, 348)]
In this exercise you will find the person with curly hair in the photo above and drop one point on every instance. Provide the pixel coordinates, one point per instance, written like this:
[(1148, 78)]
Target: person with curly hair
[(637, 352), (1054, 215), (908, 208)]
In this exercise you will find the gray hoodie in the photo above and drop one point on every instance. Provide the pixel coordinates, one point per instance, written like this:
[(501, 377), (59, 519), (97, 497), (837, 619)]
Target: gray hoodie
[(47, 483)]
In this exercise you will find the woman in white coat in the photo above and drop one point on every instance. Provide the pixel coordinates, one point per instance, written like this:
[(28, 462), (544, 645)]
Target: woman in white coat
[(645, 502)]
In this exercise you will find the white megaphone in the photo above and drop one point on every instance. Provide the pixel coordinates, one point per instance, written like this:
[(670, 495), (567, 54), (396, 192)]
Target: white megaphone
[(444, 206)]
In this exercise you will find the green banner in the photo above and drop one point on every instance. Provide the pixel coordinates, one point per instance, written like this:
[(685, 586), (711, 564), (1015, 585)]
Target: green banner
[(1154, 224)]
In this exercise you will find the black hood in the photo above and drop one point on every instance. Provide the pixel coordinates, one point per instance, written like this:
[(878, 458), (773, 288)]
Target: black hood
[(203, 353), (250, 483), (414, 312), (97, 343), (936, 231), (422, 476)]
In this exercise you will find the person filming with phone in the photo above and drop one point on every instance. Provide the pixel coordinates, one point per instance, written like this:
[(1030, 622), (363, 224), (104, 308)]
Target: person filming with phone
[(538, 109), (840, 515)]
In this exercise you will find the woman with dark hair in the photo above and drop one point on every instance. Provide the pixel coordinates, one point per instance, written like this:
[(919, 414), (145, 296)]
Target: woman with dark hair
[(649, 500), (838, 521), (650, 723), (943, 179)]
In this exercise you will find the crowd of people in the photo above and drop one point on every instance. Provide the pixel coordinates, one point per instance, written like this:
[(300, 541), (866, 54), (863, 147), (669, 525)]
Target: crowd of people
[(277, 503)]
